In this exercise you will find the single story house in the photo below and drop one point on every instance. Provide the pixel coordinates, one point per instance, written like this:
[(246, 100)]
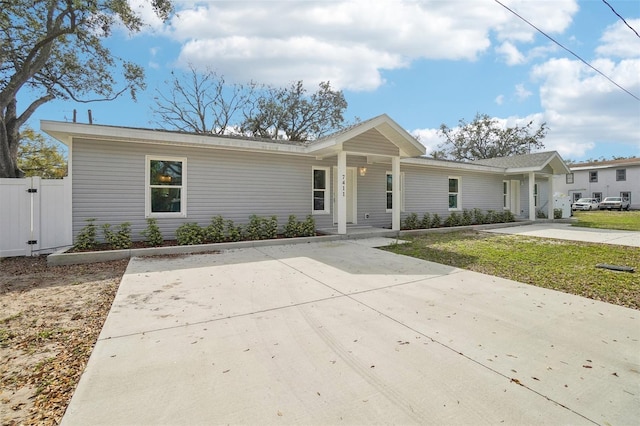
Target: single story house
[(601, 179), (373, 174)]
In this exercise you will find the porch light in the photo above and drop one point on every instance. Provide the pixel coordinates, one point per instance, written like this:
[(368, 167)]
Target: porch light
[(164, 178), (363, 171)]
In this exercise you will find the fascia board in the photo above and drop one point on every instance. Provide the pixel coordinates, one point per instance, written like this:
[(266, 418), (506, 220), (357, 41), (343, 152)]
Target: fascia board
[(426, 162)]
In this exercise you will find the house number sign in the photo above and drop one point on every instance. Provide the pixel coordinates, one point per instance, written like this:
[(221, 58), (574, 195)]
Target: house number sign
[(344, 186)]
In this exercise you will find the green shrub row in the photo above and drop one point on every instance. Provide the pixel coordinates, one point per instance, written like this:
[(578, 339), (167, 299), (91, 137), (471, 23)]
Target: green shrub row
[(219, 230), (465, 218)]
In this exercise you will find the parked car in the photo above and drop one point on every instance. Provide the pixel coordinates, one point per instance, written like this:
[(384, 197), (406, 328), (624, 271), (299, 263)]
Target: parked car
[(617, 203), (586, 204)]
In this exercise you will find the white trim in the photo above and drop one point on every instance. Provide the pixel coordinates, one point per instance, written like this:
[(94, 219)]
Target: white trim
[(458, 194), (327, 189), (506, 196), (352, 194), (147, 187)]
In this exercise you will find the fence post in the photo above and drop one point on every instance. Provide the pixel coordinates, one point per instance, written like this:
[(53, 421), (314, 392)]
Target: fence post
[(33, 241)]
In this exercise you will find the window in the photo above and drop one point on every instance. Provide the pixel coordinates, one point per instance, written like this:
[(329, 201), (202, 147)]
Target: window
[(593, 176), (577, 196), (454, 194), (626, 195), (621, 174), (569, 177), (505, 194), (320, 190), (597, 196), (166, 187), (535, 194), (389, 191)]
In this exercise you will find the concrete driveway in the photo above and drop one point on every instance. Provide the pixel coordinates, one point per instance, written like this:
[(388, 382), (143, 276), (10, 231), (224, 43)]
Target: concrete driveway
[(343, 333)]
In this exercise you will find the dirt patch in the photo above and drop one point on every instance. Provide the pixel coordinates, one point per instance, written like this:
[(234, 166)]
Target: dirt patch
[(50, 319)]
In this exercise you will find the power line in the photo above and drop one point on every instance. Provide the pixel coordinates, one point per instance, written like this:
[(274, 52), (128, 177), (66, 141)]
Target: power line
[(569, 50), (623, 20)]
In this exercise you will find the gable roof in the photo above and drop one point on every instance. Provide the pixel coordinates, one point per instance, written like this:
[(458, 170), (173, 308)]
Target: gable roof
[(635, 161), (523, 163)]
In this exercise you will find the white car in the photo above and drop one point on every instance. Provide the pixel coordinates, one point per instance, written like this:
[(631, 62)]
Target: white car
[(617, 203), (586, 204)]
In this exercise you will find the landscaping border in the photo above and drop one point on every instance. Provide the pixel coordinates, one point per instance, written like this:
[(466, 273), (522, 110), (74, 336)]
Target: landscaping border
[(61, 257)]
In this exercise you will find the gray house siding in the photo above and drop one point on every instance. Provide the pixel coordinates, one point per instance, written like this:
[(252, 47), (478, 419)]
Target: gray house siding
[(371, 142), (109, 185)]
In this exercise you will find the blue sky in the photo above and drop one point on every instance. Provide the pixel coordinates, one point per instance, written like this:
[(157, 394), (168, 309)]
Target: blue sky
[(423, 63)]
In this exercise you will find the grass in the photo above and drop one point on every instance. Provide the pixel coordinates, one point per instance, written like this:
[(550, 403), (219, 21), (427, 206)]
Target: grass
[(566, 266), (626, 221)]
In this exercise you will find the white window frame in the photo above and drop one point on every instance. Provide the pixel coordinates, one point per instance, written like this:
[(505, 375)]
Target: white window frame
[(593, 176), (506, 195), (569, 178), (327, 190), (148, 186), (622, 195), (458, 194), (620, 172), (597, 196), (387, 191)]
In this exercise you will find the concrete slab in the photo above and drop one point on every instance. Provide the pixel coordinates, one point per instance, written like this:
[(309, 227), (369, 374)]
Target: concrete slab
[(564, 231), (340, 332)]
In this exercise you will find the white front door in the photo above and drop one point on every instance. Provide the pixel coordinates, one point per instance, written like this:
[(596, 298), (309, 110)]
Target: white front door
[(352, 195), (514, 202)]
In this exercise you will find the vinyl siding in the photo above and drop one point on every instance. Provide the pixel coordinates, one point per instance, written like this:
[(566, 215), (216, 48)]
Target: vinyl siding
[(371, 142), (109, 185)]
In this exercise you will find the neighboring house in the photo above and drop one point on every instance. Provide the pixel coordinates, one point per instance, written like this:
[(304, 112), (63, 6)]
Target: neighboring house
[(601, 179), (371, 174)]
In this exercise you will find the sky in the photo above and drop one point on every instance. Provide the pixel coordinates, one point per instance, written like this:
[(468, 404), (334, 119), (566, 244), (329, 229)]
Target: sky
[(424, 63)]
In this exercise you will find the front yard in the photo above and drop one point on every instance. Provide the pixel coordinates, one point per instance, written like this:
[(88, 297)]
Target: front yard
[(626, 221), (567, 266)]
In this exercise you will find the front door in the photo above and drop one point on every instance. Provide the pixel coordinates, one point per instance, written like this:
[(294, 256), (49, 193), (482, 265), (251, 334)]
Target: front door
[(352, 195), (515, 197)]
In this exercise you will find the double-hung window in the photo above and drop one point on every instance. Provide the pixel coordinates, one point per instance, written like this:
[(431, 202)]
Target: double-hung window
[(166, 187), (535, 194), (569, 178), (389, 191), (320, 190), (593, 176), (455, 201), (505, 194), (621, 175)]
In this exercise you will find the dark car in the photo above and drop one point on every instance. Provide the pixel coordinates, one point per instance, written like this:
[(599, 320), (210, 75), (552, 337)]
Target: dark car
[(614, 203)]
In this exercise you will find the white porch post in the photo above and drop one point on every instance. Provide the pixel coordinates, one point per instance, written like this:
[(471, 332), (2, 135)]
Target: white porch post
[(550, 204), (341, 199), (395, 172), (532, 201)]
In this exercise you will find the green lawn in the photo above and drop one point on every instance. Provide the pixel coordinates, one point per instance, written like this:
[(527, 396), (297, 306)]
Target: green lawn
[(628, 221), (566, 266)]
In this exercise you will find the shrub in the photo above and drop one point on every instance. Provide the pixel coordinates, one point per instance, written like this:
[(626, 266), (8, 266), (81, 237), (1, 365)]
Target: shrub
[(467, 218), (426, 221), (411, 222), (478, 217), (508, 216), (215, 232), (453, 219), (436, 221), (86, 239), (541, 214), (121, 239), (292, 228), (152, 234), (490, 217), (189, 234), (295, 228), (260, 228), (232, 232), (557, 213)]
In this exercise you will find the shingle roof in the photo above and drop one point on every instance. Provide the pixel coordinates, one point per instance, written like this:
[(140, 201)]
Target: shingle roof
[(607, 163), (536, 159)]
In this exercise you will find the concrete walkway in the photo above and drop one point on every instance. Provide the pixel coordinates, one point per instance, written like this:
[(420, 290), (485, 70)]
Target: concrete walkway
[(341, 332), (564, 231)]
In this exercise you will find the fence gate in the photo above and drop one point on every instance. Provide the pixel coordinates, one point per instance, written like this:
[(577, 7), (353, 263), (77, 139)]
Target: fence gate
[(35, 216)]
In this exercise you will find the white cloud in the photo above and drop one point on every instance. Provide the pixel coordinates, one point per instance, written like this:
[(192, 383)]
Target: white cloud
[(430, 138), (499, 99), (619, 41), (522, 93), (511, 53), (350, 43)]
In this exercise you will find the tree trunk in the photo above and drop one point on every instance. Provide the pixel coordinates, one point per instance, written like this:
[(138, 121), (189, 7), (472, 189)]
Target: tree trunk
[(9, 141)]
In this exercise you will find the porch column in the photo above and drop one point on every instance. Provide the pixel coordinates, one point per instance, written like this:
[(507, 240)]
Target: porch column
[(395, 172), (550, 203), (532, 202), (341, 198)]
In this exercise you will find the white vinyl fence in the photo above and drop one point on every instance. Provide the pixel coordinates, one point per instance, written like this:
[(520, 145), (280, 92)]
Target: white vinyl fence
[(35, 216)]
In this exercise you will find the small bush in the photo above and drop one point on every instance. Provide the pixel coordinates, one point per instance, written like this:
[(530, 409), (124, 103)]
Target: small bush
[(411, 222), (508, 216), (233, 233), (189, 234), (436, 221), (453, 219), (426, 221), (121, 239), (153, 236), (215, 232), (86, 239), (490, 217), (295, 228), (467, 218), (541, 214), (260, 228), (557, 213), (478, 218)]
